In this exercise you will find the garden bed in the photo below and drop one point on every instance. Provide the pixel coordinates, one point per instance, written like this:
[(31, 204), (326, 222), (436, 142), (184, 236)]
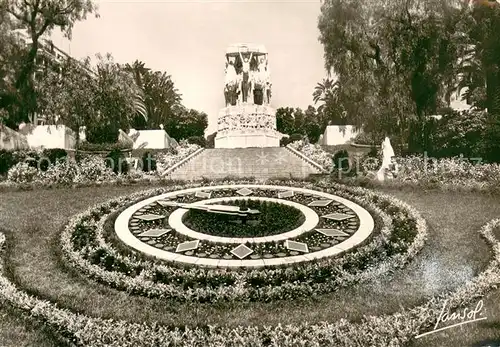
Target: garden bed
[(379, 331), (401, 236)]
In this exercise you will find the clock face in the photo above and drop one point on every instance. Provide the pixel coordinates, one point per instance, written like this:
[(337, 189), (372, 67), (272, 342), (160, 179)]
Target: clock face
[(244, 225)]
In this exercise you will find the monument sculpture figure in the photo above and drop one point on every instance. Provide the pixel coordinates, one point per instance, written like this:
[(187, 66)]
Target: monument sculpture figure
[(231, 84), (247, 120), (387, 154), (246, 84)]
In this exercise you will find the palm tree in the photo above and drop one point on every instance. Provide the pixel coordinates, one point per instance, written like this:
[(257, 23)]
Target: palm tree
[(328, 93), (325, 92), (137, 70), (159, 92)]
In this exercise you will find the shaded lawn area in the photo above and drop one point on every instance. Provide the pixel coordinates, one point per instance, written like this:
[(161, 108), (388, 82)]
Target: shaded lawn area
[(16, 330), (477, 334), (453, 254)]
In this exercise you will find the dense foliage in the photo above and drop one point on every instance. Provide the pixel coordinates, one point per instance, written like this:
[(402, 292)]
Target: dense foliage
[(18, 91), (341, 160), (115, 160), (197, 140), (148, 162), (307, 123), (397, 63), (103, 147), (7, 161), (54, 166)]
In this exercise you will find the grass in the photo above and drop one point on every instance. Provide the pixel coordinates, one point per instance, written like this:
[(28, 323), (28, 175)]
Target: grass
[(18, 331), (453, 254)]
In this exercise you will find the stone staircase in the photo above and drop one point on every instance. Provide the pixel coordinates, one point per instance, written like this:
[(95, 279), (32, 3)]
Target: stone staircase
[(260, 163)]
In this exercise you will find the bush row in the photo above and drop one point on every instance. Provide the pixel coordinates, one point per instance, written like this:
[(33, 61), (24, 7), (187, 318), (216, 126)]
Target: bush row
[(401, 236), (9, 159), (458, 172), (52, 167)]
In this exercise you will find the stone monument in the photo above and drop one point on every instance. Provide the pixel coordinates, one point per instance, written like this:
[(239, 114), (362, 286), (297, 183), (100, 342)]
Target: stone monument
[(247, 120)]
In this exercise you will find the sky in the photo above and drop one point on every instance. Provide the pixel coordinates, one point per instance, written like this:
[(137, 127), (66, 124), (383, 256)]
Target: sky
[(188, 40)]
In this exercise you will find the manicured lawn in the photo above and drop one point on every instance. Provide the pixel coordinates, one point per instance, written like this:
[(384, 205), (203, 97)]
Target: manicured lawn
[(453, 254), (18, 331)]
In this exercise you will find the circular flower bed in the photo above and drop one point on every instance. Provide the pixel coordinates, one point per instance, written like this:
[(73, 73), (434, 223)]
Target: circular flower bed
[(145, 226), (400, 235)]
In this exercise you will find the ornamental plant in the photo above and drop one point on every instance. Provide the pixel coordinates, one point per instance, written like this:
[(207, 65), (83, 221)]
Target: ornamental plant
[(314, 152)]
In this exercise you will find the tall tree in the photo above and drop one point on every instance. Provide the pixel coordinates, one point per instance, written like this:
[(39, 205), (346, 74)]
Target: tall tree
[(480, 64), (11, 53), (332, 108), (118, 101), (313, 126), (395, 59), (285, 121), (161, 98), (186, 123), (37, 17), (69, 97)]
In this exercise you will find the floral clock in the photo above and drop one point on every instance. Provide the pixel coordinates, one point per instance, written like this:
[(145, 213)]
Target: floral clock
[(244, 225)]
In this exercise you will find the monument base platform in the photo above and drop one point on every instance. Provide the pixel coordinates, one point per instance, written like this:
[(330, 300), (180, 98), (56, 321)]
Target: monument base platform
[(236, 139), (246, 126)]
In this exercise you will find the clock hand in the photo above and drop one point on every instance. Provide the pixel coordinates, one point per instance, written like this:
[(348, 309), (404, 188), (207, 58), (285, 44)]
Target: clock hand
[(221, 209)]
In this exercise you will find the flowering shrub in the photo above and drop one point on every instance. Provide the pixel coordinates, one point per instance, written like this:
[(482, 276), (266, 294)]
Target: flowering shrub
[(450, 171), (400, 238), (63, 172), (455, 172), (93, 169), (313, 152), (22, 173), (165, 161), (90, 169)]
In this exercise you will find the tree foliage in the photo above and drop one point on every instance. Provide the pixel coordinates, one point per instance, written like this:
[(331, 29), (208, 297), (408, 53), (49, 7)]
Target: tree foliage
[(480, 66), (186, 123), (396, 60), (117, 99), (328, 94), (296, 121), (161, 98), (69, 97), (37, 18), (103, 99)]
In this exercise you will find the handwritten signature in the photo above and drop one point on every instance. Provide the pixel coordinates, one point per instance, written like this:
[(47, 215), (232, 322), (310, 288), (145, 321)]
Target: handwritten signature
[(464, 317)]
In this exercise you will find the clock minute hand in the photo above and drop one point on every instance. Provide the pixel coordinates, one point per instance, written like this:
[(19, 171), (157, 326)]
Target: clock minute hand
[(222, 209)]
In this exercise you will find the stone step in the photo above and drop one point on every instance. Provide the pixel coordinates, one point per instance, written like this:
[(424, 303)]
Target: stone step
[(261, 163)]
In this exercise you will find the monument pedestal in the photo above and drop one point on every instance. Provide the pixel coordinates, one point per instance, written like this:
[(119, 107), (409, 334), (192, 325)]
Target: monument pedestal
[(246, 126), (243, 140)]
